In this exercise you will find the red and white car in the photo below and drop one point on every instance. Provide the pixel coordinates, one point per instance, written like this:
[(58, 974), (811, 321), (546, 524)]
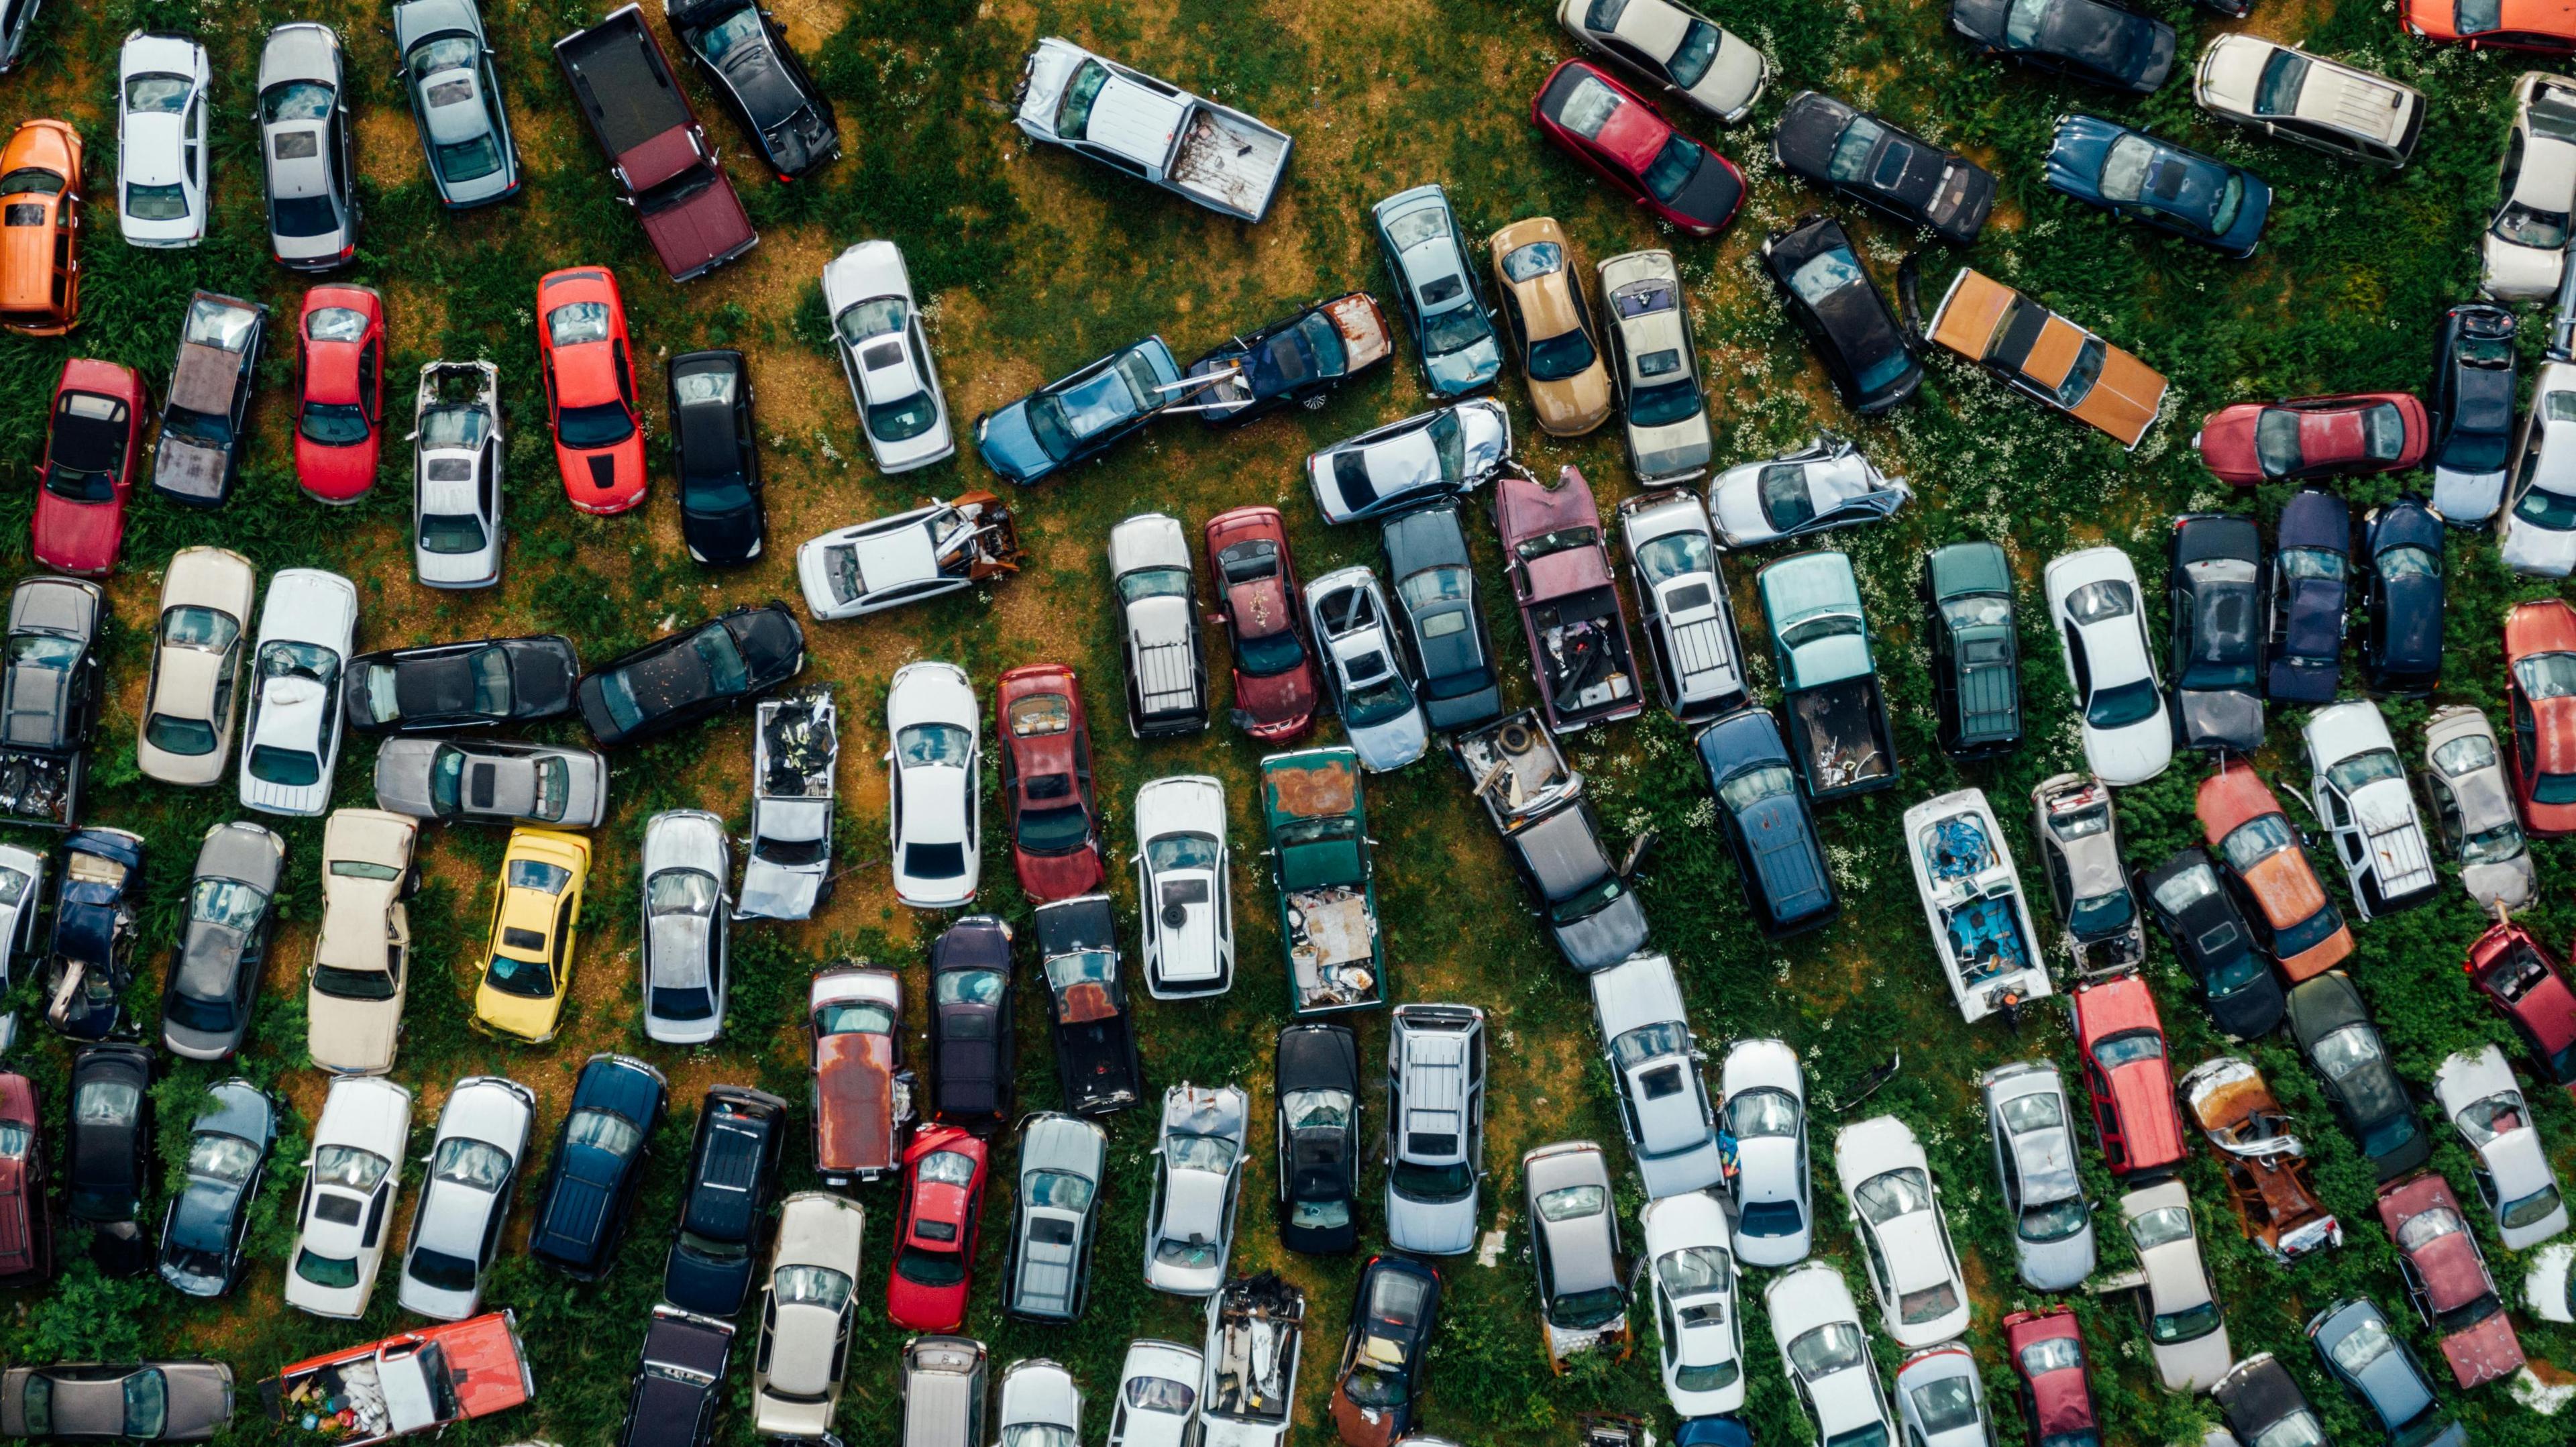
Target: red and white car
[(340, 392), (413, 1381), (2127, 1075), (589, 366), (2447, 1275), (2540, 696), (941, 1217), (91, 445)]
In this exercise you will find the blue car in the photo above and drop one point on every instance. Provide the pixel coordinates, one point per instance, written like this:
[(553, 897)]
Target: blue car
[(1767, 823), (95, 924), (209, 1220), (1437, 290), (1076, 417), (2130, 173), (617, 1102)]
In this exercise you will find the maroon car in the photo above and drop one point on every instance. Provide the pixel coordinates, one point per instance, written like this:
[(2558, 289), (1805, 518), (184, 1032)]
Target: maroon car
[(2359, 432), (1046, 782), (26, 1231), (2447, 1275), (1560, 576), (2518, 977), (658, 156), (1256, 579), (1617, 133), (2047, 1349)]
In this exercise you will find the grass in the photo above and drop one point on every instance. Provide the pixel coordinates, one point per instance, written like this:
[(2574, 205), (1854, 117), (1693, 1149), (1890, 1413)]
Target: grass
[(1031, 264)]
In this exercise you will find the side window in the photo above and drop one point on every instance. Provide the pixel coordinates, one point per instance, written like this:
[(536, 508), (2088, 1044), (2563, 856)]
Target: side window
[(367, 394), (376, 1213), (625, 373), (486, 481), (1112, 158), (2081, 666)]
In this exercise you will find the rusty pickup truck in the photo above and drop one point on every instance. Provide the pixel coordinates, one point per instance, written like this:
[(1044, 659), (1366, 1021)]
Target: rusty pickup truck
[(1560, 575)]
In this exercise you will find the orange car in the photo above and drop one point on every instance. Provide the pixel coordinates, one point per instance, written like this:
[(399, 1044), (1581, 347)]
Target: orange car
[(2546, 25), (589, 370), (2306, 933), (2048, 356), (40, 182)]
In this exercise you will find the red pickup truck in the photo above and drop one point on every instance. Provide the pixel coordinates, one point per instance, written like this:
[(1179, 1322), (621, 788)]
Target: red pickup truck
[(414, 1381), (656, 150), (1560, 576)]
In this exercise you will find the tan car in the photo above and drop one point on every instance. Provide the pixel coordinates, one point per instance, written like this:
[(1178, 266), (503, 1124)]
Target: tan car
[(198, 650), (362, 957), (806, 1315), (1657, 368), (1569, 385), (2048, 356)]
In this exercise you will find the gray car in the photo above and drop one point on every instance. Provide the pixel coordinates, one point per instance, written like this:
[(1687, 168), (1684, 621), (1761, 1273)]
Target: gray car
[(2033, 1135), (1683, 600), (1664, 1106), (456, 101), (2358, 1345), (1381, 709), (49, 696), (492, 781), (305, 146), (1574, 1245), (687, 928), (795, 743), (165, 1401), (1443, 630), (1198, 1182), (2079, 848), (214, 973), (1591, 914), (1438, 292), (1062, 1162), (1435, 1111)]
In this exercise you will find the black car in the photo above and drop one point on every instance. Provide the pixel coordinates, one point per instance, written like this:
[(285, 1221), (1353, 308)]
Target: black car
[(738, 47), (1768, 823), (678, 1380), (2216, 566), (2343, 1047), (717, 451), (1095, 1028), (589, 1190), (971, 1035), (2311, 590), (91, 960), (2086, 39), (698, 672), (2263, 1403), (1302, 358), (1394, 1311), (212, 984), (446, 686), (203, 1236), (107, 1156), (2471, 402), (725, 1200), (1444, 637), (1967, 594), (1829, 291), (1315, 1079), (2401, 598), (49, 696), (1854, 154), (2209, 935)]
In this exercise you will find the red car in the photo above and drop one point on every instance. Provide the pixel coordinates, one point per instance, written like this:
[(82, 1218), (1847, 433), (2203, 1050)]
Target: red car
[(2447, 1274), (411, 1382), (1046, 782), (340, 392), (1617, 133), (2047, 1349), (90, 450), (936, 1230), (2125, 1071), (2244, 823), (2544, 25), (2540, 692), (590, 388), (2362, 432), (26, 1231), (1274, 671), (2519, 978)]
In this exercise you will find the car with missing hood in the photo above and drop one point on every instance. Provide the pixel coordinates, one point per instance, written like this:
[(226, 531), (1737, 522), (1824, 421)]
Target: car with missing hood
[(894, 380), (1542, 293), (2095, 602), (457, 457), (2033, 1134), (1823, 485), (206, 412), (1825, 1354), (97, 924), (1378, 1385), (474, 1163), (2046, 356), (1848, 152), (2152, 181), (1691, 1280), (492, 781), (2088, 39), (361, 967), (455, 93), (2402, 598), (2354, 1342), (807, 1310), (1912, 1268), (907, 557), (2464, 780), (1080, 415), (586, 1200), (1407, 463), (1445, 644), (2359, 788), (2079, 851), (686, 928), (305, 146), (351, 1180), (50, 696), (1762, 1098), (151, 1401), (1683, 602), (2519, 978), (1198, 1184), (212, 985), (1323, 867), (1047, 792), (1255, 580), (1437, 291), (2268, 1181), (2350, 1059), (1770, 826), (1558, 567), (863, 1097), (2470, 403), (974, 1039), (1654, 363), (1062, 1160), (161, 85), (205, 1235), (2262, 1402), (1315, 1078), (1304, 358), (1435, 1107), (1158, 623), (742, 53), (795, 754), (2186, 1331), (2288, 94), (2215, 561), (1827, 289), (2446, 1273), (1574, 1246), (2511, 1168), (1973, 904), (1674, 48), (2268, 868), (1621, 137)]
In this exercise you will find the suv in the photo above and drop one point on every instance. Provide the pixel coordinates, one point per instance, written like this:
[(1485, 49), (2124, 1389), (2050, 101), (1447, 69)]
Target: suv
[(1435, 1111), (1583, 893), (1149, 565), (1976, 649), (724, 1201)]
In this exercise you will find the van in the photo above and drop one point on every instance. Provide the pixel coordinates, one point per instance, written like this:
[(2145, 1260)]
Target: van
[(943, 1392)]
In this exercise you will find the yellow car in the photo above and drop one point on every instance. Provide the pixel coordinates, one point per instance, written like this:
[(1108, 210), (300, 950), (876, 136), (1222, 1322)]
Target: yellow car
[(529, 969)]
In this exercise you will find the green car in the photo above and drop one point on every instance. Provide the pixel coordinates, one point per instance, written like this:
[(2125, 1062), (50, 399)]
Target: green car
[(1976, 654), (1828, 679), (1319, 859)]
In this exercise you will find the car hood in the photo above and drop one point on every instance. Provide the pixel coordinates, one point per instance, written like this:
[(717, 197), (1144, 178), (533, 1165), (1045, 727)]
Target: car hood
[(1009, 444), (2484, 1352), (360, 1033), (2228, 718), (1606, 937)]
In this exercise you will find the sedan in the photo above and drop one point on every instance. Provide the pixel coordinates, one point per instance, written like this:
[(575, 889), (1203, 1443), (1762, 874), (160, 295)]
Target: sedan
[(1691, 1279), (1574, 1244), (1829, 291), (1315, 1077), (1674, 48), (715, 449), (2088, 39), (1851, 153), (305, 145), (2047, 1350), (589, 371), (877, 334), (974, 1040), (2512, 1173), (1762, 1097), (26, 1220), (938, 1223), (2079, 850), (2540, 701), (1377, 1387), (2538, 537), (1047, 797), (907, 557), (536, 913), (1062, 1159), (2308, 100), (2526, 986), (686, 931), (1039, 1402), (161, 84), (1620, 136), (361, 971), (2033, 1135), (108, 1153), (1542, 292), (1913, 1270), (1198, 1183), (743, 55), (1938, 1399), (1655, 364), (1653, 1060), (458, 452), (448, 686), (2214, 943), (2471, 407), (291, 732), (2093, 599), (2473, 807), (1302, 358), (2262, 1402), (340, 392), (474, 1163), (1405, 464), (2186, 1332), (1826, 1355), (2351, 1062), (2309, 437), (455, 91), (1184, 886), (807, 1311), (2447, 1275), (2402, 598), (2126, 1073), (2354, 1340), (1255, 578), (1080, 415), (206, 1235), (1817, 488), (1436, 289), (1380, 711), (1770, 827), (214, 975), (2154, 182), (588, 1195), (350, 1182), (2525, 243), (93, 441), (1158, 1392), (492, 781), (2242, 820), (153, 1401), (691, 674), (1443, 635), (1684, 602), (934, 780)]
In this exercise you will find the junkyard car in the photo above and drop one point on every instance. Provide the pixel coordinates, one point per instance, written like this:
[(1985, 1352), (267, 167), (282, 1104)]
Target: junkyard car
[(691, 673), (2186, 1332), (1080, 415), (2043, 354), (588, 1194), (1302, 358), (2286, 93), (474, 1162), (1047, 795), (2079, 850), (1976, 648), (1654, 1066), (2306, 437), (2047, 1351), (1378, 1386), (974, 1036), (1542, 294), (1684, 603), (2154, 182), (2526, 986), (2033, 1134), (744, 56), (1437, 290), (97, 921), (876, 325), (449, 686), (2334, 1031), (1446, 647), (2540, 703), (1158, 1394), (727, 1189), (361, 968), (536, 913), (1192, 147), (1255, 578), (1619, 136), (50, 694), (1062, 1159), (203, 416), (2088, 39), (1559, 571), (2538, 530), (2471, 404), (1937, 1397), (1198, 1183), (2447, 1275), (1184, 887), (1655, 364), (414, 1381), (1825, 1354), (2262, 1402), (162, 143), (1316, 1079), (492, 781), (153, 1401), (457, 457), (2524, 241), (1973, 905), (2473, 806), (93, 441), (2353, 1340), (26, 1217), (932, 550), (305, 144), (1381, 715), (2402, 598), (1590, 912), (806, 1315), (350, 1181), (1324, 869), (862, 1094), (291, 732), (2512, 1173), (1405, 464), (2216, 566), (1762, 1093), (2268, 1182), (2094, 601), (340, 392), (686, 931), (1852, 153), (1435, 1105), (1699, 1320), (715, 449), (588, 363), (1674, 47), (1823, 485), (2270, 871), (206, 1235), (795, 750), (2359, 789), (1574, 1244), (1912, 1268), (455, 93), (1828, 289), (108, 1150), (213, 981), (1158, 620), (1038, 1402), (40, 176)]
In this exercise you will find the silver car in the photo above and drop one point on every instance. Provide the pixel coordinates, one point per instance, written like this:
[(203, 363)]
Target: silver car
[(795, 742), (1158, 617), (22, 898), (2079, 848), (2512, 1173), (456, 1227), (1158, 1395), (1654, 1064), (1817, 488), (687, 930), (162, 142), (876, 329), (2033, 1135), (1435, 1111), (457, 451), (1574, 1244), (2186, 1331), (1654, 364), (304, 144), (1041, 1406), (1683, 600), (1674, 49), (214, 977), (1762, 1097), (1407, 463), (1939, 1401), (1365, 670), (1062, 1161), (456, 101), (1198, 1182), (492, 781), (2473, 807)]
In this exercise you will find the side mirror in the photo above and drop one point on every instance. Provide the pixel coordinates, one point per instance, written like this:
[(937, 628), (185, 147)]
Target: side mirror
[(1637, 852)]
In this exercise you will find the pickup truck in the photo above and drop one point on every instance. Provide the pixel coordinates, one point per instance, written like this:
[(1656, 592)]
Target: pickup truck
[(1828, 680), (1319, 858), (413, 1381), (1560, 575), (794, 743), (1255, 1329), (49, 699), (657, 153), (1129, 121), (1515, 768)]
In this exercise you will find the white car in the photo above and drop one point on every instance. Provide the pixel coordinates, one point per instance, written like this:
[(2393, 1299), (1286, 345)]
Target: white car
[(1407, 463), (1699, 1323), (2308, 100), (2359, 789), (1674, 49), (1905, 1244), (1826, 1355), (162, 142), (1683, 600), (2093, 599), (877, 329), (2479, 1097), (1655, 366), (456, 1226), (361, 968), (350, 1181), (305, 144), (1158, 1396), (806, 1313), (1973, 902), (1762, 1097), (934, 785), (308, 627), (1040, 1406), (2186, 1331), (2526, 242), (198, 649), (1939, 1401), (687, 926), (2550, 1287), (1817, 488), (887, 562), (22, 899), (1158, 619), (1198, 1183), (456, 456), (2537, 528), (1365, 670), (1664, 1108), (1184, 888), (2473, 804)]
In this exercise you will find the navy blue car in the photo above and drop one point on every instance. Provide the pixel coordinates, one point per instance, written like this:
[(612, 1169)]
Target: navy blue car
[(617, 1103), (2089, 39), (725, 1200), (2311, 593), (92, 958), (1768, 823), (2157, 183), (1078, 416), (209, 1220), (2402, 597)]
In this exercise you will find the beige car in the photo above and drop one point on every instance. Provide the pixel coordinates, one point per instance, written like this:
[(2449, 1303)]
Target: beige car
[(362, 957), (1657, 368), (806, 1314), (198, 651), (1569, 385)]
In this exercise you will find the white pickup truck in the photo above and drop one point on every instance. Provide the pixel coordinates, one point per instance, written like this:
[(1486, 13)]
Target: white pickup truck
[(1255, 1329), (1126, 120)]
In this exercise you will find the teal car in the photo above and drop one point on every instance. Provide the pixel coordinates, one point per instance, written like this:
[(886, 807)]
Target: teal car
[(1976, 651), (1828, 677), (1319, 859), (1437, 290)]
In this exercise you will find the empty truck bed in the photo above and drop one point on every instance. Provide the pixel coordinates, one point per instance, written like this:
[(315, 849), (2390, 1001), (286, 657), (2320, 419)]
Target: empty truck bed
[(630, 99)]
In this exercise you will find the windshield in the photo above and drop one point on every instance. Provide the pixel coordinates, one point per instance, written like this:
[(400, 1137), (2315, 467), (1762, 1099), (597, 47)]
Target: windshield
[(2277, 94), (921, 745), (1891, 1194), (1748, 787), (1756, 1113), (2256, 840), (2129, 1048), (2362, 770), (358, 1170), (1834, 1347)]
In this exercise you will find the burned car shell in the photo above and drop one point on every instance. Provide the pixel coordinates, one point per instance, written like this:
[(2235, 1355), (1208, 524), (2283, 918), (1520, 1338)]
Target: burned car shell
[(796, 745), (200, 448), (2079, 850), (2268, 1181)]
